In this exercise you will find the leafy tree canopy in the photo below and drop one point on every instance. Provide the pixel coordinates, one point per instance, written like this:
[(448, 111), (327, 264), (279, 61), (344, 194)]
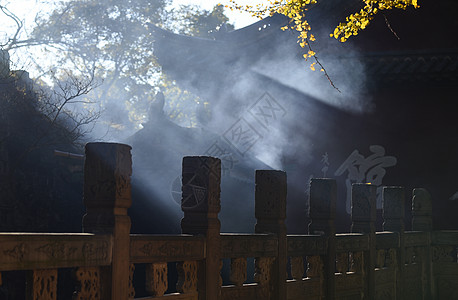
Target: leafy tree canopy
[(202, 23), (111, 39)]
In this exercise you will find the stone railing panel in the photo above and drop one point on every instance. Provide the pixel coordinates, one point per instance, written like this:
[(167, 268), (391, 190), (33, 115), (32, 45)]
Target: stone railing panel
[(303, 245), (160, 248), (89, 283), (248, 245), (386, 239), (26, 251), (156, 279), (352, 242), (44, 284), (238, 271)]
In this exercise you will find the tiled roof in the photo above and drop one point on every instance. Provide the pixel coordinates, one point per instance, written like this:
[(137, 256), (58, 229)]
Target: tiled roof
[(244, 45), (431, 66)]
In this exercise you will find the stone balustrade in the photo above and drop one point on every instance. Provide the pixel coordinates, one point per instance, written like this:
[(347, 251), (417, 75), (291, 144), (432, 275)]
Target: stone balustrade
[(266, 264)]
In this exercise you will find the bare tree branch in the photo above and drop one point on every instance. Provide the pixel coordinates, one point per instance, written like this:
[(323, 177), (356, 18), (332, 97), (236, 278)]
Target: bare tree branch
[(390, 28), (19, 26), (62, 120), (323, 69)]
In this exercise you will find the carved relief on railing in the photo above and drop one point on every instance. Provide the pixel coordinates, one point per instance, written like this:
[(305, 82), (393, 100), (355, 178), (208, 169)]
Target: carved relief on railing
[(107, 188), (299, 245), (447, 288), (421, 210), (393, 208), (187, 276), (380, 258), (53, 250), (89, 281), (91, 251), (383, 294), (44, 284), (342, 263), (297, 267), (314, 266), (17, 252), (201, 178), (145, 249), (356, 262), (248, 245), (410, 255), (390, 260), (363, 210), (385, 275), (271, 193), (156, 279), (263, 274), (352, 242), (322, 209), (416, 239), (444, 253), (420, 255), (238, 271), (131, 284), (110, 168)]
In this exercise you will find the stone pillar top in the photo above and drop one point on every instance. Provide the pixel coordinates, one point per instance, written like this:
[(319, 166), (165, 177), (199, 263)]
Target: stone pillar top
[(322, 208), (107, 187), (363, 207)]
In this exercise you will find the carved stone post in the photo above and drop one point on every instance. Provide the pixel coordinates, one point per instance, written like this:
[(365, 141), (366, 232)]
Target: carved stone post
[(4, 64), (393, 217), (6, 215), (322, 213), (393, 208), (421, 210), (107, 196), (422, 221), (363, 216), (201, 204), (270, 213)]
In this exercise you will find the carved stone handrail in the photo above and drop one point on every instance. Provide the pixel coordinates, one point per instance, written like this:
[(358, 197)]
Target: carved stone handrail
[(386, 240), (364, 264), (248, 245), (417, 238), (28, 251), (302, 245), (166, 248), (346, 242), (445, 237)]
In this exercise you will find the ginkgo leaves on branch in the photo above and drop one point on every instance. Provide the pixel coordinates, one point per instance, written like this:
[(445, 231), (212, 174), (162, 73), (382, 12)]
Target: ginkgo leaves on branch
[(296, 11), (359, 21)]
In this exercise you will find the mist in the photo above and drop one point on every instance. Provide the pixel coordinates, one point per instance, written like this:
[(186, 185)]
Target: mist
[(265, 107), (246, 96)]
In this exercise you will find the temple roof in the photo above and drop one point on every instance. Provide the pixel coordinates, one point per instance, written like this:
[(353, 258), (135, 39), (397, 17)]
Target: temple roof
[(208, 64), (413, 67), (186, 57)]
